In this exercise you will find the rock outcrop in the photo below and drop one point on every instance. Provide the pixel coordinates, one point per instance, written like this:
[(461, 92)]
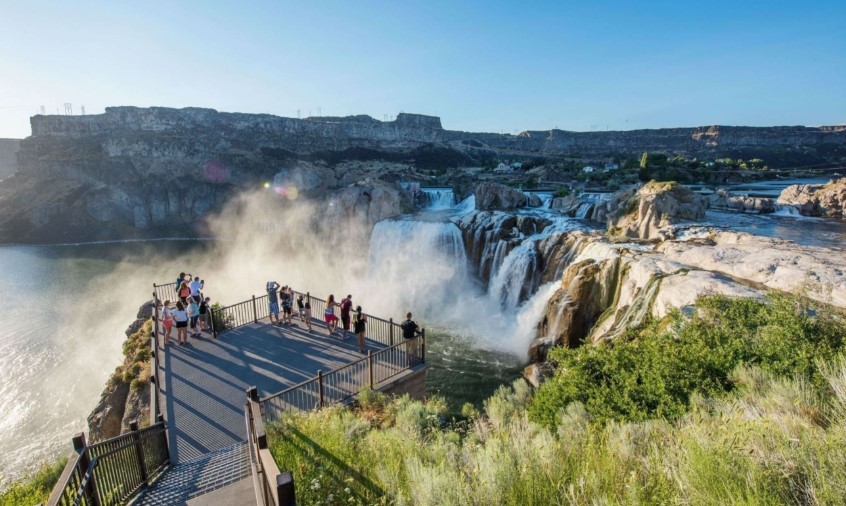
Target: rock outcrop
[(654, 208), (126, 396), (817, 200), (498, 197), (725, 199)]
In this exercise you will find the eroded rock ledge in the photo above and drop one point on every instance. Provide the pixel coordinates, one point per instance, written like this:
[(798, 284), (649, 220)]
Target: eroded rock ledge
[(126, 396)]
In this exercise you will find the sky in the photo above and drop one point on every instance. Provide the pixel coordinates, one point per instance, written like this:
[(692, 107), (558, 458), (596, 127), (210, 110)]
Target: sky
[(480, 66)]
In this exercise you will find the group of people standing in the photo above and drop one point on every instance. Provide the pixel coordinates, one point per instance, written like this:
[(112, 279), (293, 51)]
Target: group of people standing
[(359, 319), (284, 297), (191, 310)]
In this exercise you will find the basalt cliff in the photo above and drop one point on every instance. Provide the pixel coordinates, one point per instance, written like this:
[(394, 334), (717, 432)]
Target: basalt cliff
[(159, 172)]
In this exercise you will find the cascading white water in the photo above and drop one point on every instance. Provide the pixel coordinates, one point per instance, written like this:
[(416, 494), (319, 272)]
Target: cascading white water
[(438, 198), (584, 210), (509, 282), (787, 210), (466, 205), (413, 263)]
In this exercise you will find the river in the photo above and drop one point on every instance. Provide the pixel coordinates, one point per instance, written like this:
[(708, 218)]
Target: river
[(66, 307)]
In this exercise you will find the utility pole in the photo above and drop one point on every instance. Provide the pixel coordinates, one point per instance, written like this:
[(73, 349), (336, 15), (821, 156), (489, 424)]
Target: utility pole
[(298, 113), (319, 112), (43, 111), (68, 109), (83, 109)]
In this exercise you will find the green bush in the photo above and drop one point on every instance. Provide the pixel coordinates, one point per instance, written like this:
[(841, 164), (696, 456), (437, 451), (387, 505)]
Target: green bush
[(34, 488), (774, 440), (222, 321), (653, 370)]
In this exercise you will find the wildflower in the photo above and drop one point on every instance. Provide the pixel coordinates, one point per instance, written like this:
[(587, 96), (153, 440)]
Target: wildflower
[(347, 490)]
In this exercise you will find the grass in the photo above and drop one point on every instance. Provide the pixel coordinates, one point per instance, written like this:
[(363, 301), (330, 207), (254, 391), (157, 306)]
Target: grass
[(34, 488), (775, 436)]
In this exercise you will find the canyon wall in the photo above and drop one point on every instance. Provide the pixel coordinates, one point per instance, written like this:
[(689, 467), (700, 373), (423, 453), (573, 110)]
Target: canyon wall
[(159, 172), (8, 156)]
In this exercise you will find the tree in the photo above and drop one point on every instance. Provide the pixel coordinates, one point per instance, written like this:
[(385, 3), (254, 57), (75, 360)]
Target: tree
[(644, 160)]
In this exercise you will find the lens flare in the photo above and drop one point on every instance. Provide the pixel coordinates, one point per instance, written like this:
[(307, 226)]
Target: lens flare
[(267, 185)]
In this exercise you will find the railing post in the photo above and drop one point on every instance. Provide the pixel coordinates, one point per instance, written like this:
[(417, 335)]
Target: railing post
[(139, 450), (370, 367), (160, 419), (320, 388), (255, 311), (422, 346), (391, 321), (213, 326), (81, 448), (285, 489)]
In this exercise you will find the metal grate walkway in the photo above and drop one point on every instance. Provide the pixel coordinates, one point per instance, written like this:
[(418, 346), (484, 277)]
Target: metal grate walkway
[(202, 475)]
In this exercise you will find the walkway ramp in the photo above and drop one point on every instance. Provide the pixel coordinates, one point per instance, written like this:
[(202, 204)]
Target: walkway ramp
[(204, 383)]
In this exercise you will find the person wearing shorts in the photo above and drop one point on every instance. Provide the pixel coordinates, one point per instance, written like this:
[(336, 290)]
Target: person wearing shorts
[(181, 318), (167, 321), (307, 313), (346, 307), (194, 316), (329, 314), (287, 305), (273, 301)]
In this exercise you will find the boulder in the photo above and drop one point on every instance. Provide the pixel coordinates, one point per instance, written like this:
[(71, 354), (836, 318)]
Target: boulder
[(654, 209), (495, 196), (723, 198), (566, 205), (817, 199)]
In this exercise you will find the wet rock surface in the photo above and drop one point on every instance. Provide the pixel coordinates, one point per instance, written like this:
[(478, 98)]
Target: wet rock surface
[(817, 200)]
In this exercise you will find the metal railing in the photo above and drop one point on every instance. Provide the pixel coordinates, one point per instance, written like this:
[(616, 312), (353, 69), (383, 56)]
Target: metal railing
[(274, 487), (166, 291), (343, 383), (112, 471)]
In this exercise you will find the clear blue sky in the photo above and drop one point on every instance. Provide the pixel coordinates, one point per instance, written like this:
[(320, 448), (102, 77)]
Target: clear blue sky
[(478, 65)]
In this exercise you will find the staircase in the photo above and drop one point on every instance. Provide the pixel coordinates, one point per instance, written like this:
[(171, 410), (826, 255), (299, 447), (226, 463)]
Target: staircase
[(226, 470)]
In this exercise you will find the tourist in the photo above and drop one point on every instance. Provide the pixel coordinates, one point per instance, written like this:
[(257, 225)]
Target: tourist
[(410, 330), (307, 313), (300, 307), (167, 321), (273, 301), (346, 307), (184, 291), (194, 316), (181, 318), (205, 314), (359, 324), (329, 314), (196, 286), (287, 304), (179, 281)]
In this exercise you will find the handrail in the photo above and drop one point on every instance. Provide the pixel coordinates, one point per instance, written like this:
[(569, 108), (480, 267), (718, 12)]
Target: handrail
[(115, 470), (273, 487), (344, 382)]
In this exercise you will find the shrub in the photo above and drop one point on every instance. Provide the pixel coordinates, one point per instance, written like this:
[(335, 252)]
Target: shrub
[(653, 370), (34, 488)]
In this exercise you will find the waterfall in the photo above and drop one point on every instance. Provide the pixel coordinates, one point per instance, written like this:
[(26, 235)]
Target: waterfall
[(438, 198), (787, 210), (466, 205), (415, 263), (513, 281), (584, 210)]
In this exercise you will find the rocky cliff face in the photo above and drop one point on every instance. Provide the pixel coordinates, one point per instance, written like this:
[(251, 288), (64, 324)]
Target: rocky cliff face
[(145, 172), (8, 156), (817, 200)]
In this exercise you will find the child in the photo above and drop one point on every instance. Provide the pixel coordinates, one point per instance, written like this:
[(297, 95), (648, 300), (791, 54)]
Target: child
[(205, 323)]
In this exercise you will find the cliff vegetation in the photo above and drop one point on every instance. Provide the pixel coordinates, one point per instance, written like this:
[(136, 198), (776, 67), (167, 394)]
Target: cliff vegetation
[(767, 426), (34, 488)]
